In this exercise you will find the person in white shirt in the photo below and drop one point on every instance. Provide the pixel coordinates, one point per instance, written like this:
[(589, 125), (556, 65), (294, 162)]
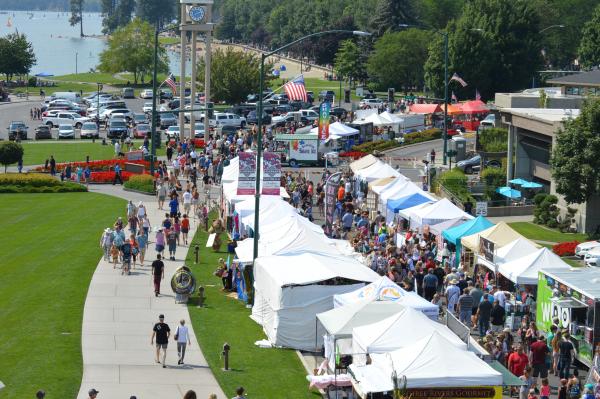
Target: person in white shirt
[(187, 201), (499, 296), (183, 339)]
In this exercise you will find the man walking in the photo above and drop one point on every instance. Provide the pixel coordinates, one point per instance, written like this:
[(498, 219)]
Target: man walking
[(483, 314), (158, 274), (538, 350), (430, 282), (465, 307), (452, 294), (117, 175), (497, 317), (52, 165), (162, 332), (93, 393), (182, 337)]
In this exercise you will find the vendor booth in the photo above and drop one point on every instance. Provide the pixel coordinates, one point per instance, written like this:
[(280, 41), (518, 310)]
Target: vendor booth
[(472, 112), (454, 234), (435, 213), (376, 171), (430, 367), (396, 205), (524, 271), (384, 289), (438, 228), (291, 290), (362, 163), (573, 296), (516, 249), (399, 188)]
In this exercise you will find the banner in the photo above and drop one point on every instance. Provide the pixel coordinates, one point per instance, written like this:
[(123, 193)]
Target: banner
[(247, 177), (331, 189), (486, 248), (271, 177), (324, 110)]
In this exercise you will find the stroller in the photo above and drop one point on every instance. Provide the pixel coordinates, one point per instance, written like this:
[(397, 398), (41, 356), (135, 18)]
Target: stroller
[(126, 255)]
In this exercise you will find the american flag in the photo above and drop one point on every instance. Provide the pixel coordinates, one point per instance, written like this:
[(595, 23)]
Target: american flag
[(454, 98), (477, 95), (170, 81), (295, 89), (458, 79)]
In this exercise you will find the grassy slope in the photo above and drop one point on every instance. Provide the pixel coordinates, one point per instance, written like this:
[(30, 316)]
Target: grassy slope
[(535, 232), (37, 152), (265, 373), (49, 250)]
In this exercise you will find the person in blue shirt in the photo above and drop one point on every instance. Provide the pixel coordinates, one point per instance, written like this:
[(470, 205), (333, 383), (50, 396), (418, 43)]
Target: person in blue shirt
[(347, 221), (174, 206), (117, 175)]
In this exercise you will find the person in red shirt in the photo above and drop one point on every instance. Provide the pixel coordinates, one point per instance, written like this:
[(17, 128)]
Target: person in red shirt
[(341, 192), (537, 352), (517, 361)]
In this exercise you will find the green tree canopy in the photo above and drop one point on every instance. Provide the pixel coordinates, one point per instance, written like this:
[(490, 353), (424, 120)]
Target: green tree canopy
[(77, 15), (116, 14), (10, 153), (348, 62), (589, 48), (389, 14), (131, 49), (575, 162), (234, 75), (16, 55), (163, 11), (398, 58)]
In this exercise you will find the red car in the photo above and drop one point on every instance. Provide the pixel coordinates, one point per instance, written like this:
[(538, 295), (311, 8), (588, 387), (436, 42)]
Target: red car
[(141, 131)]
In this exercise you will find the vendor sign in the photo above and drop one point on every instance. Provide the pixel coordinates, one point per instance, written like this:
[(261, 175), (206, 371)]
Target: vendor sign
[(247, 176), (331, 188), (324, 110), (271, 174)]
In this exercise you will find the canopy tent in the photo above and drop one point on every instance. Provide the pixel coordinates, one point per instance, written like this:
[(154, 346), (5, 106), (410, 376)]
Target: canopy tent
[(437, 229), (525, 270), (398, 331), (376, 171), (516, 249), (272, 217), (384, 289), (430, 362), (376, 120), (231, 171), (425, 108), (406, 213), (500, 234), (474, 107), (381, 183), (362, 163), (509, 192), (396, 205), (393, 185), (454, 109), (291, 290), (399, 190), (338, 130), (436, 213), (454, 234), (393, 118)]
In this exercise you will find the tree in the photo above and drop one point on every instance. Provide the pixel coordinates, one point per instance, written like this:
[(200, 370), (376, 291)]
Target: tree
[(348, 62), (398, 58), (131, 49), (589, 48), (575, 162), (116, 14), (437, 13), (163, 11), (389, 14), (77, 15), (10, 153), (234, 75), (16, 55), (434, 66)]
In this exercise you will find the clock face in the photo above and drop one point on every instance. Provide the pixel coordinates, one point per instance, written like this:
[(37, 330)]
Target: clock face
[(197, 13)]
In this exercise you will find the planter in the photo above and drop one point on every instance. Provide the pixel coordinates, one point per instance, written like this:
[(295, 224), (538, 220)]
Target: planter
[(138, 191)]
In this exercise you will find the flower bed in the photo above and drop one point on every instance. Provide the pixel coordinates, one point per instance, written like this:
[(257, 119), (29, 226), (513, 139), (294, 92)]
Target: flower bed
[(565, 248), (35, 183), (108, 177), (352, 154), (96, 166)]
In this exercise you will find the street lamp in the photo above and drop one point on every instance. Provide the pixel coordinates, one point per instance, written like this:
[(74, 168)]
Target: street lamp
[(551, 27), (259, 112), (445, 133)]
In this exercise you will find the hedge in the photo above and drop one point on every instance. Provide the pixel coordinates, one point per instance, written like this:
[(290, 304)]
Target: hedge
[(409, 138), (36, 183), (455, 181), (143, 183)]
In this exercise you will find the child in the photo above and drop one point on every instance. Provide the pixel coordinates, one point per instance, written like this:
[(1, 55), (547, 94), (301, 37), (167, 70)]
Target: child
[(562, 391), (177, 228), (531, 394), (545, 389), (114, 253), (185, 228)]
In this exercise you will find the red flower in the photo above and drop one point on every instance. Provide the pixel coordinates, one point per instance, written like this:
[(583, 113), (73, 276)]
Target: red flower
[(565, 248)]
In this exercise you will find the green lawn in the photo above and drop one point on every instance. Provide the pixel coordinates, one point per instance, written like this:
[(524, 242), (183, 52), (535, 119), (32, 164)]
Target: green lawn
[(88, 77), (168, 40), (36, 153), (536, 232), (264, 373), (49, 253), (60, 86)]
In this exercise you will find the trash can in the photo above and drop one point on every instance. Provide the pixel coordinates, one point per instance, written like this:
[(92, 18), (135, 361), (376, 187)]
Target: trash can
[(459, 144)]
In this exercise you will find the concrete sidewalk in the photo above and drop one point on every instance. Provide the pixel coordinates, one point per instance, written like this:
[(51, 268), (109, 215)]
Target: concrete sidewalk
[(119, 314)]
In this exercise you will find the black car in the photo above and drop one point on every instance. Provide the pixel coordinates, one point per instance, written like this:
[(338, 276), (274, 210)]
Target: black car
[(43, 132), (326, 95), (282, 109), (338, 112), (166, 94), (17, 129), (292, 118), (252, 119), (167, 120), (117, 129)]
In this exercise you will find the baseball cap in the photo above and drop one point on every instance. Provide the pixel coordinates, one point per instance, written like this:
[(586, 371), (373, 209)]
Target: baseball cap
[(161, 316), (93, 391)]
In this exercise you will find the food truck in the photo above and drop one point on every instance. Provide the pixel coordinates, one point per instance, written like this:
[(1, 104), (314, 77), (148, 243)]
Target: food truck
[(572, 296), (305, 149)]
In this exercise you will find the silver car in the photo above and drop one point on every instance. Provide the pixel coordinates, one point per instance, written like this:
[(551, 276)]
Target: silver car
[(89, 130), (66, 132)]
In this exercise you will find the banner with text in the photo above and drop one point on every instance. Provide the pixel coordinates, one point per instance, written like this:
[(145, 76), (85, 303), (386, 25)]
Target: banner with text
[(324, 111), (271, 181), (331, 189), (247, 176)]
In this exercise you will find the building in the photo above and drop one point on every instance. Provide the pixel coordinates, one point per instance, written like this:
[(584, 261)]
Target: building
[(530, 98), (582, 83)]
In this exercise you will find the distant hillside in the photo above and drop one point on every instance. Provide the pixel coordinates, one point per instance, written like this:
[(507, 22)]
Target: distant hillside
[(45, 5)]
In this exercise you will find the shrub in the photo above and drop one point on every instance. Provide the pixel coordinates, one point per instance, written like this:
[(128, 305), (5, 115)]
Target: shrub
[(565, 248), (409, 138), (494, 140), (36, 183), (545, 211), (108, 177), (455, 181), (10, 153), (493, 178), (425, 135), (143, 183)]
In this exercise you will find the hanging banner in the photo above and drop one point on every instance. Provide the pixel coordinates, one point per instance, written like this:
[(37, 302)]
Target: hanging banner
[(247, 176), (324, 110), (271, 174), (331, 189)]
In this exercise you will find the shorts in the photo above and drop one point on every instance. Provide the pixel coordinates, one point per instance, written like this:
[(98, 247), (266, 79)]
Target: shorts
[(162, 346), (184, 230), (539, 370), (187, 207), (172, 247), (172, 214), (160, 248), (161, 197), (474, 312)]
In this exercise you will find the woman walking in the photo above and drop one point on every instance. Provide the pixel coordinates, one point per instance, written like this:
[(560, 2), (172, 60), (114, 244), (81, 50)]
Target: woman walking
[(160, 242), (106, 243), (161, 193), (182, 337), (185, 228), (142, 242)]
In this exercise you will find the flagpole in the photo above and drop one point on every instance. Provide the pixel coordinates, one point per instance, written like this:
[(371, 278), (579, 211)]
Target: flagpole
[(281, 87)]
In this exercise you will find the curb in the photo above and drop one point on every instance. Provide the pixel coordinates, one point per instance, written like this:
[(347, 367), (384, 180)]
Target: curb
[(407, 146), (138, 191)]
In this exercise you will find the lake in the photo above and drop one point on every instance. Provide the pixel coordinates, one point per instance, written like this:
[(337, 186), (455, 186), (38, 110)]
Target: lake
[(57, 44)]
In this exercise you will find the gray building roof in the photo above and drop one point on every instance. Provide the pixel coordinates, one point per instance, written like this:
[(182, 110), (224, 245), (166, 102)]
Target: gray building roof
[(591, 78), (585, 280)]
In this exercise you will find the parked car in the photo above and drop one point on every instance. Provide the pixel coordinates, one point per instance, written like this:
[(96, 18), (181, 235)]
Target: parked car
[(338, 112), (141, 130), (282, 109), (289, 118), (147, 93), (474, 164), (117, 130), (128, 92), (147, 108), (582, 249), (17, 129), (326, 95), (592, 257), (139, 118), (252, 119), (488, 121), (166, 94), (65, 118), (109, 113), (371, 102), (167, 120), (172, 132), (66, 131), (43, 132), (199, 130), (226, 119), (89, 130)]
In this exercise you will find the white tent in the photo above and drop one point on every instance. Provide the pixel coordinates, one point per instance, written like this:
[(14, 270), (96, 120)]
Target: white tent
[(291, 290), (438, 228), (375, 119), (408, 212), (363, 163), (399, 331), (525, 270), (338, 130), (516, 249), (430, 362), (232, 197), (385, 289), (376, 171), (437, 213), (231, 171)]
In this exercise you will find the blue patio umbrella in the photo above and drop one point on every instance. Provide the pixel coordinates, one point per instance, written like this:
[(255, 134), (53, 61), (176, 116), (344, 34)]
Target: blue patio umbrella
[(44, 75), (275, 72), (518, 181), (509, 192), (282, 68), (531, 184)]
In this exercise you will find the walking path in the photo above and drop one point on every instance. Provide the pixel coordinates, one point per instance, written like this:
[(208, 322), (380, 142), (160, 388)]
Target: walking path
[(118, 317)]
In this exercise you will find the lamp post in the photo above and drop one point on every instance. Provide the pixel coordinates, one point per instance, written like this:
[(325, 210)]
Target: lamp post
[(259, 113), (551, 27)]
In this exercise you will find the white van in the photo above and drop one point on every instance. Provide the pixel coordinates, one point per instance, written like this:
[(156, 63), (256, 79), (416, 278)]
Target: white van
[(67, 95), (592, 257)]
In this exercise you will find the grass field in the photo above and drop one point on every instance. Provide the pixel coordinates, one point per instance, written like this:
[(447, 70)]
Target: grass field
[(36, 153), (88, 77), (49, 250), (536, 232), (60, 86), (264, 373)]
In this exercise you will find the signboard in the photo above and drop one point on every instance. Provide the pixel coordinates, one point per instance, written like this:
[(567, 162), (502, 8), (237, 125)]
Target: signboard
[(448, 393), (271, 174), (324, 110), (247, 176), (481, 208), (331, 188), (486, 249), (134, 155)]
